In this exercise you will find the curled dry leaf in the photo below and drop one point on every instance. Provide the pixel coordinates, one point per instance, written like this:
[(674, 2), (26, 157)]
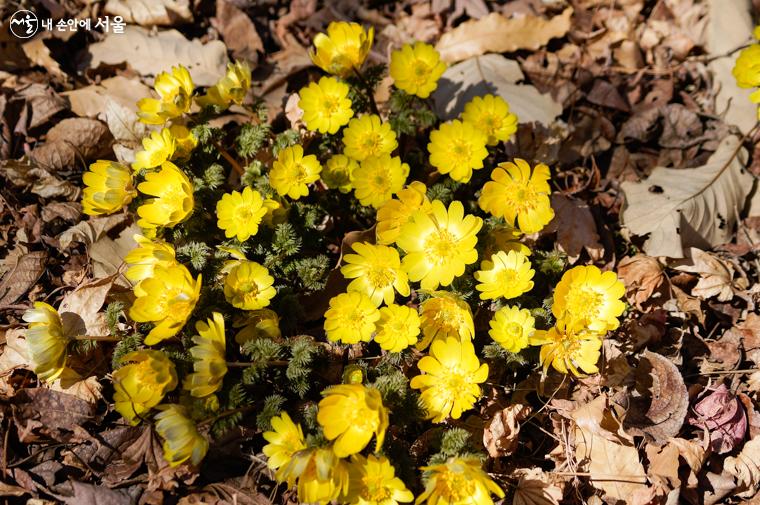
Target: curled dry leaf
[(80, 309), (70, 142), (500, 436), (72, 383), (44, 413), (13, 354), (151, 12), (238, 31), (22, 276), (721, 414), (575, 228), (535, 488), (715, 276), (745, 468), (642, 276)]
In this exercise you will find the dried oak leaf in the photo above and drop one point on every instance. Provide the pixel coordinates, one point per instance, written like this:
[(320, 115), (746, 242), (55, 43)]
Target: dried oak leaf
[(72, 141), (500, 436), (722, 415), (535, 488), (715, 276), (43, 413), (575, 228), (643, 276)]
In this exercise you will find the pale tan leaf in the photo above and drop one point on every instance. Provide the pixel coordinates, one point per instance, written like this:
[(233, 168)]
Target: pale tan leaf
[(642, 276), (13, 354), (22, 276), (72, 383), (715, 276), (500, 436), (39, 54), (535, 488), (575, 228), (80, 309), (151, 12), (90, 101), (745, 467)]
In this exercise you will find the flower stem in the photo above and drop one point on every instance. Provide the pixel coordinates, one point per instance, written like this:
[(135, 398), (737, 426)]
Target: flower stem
[(245, 364), (368, 90), (98, 338), (232, 161)]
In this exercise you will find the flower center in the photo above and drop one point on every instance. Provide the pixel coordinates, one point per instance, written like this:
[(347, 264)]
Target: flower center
[(244, 213), (461, 152), (584, 302), (421, 72), (506, 277), (514, 331), (249, 288), (375, 490), (458, 487), (440, 246), (331, 105), (372, 143), (380, 277)]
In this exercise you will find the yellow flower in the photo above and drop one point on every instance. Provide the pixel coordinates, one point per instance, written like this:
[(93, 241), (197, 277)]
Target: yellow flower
[(506, 275), (568, 347), (367, 137), (326, 106), (208, 352), (157, 148), (337, 172), (350, 414), (239, 214), (46, 341), (343, 49), (491, 115), (322, 476), (108, 188), (146, 256), (277, 210), (449, 385), (262, 323), (458, 481), (504, 238), (511, 327), (588, 297), (416, 69), (352, 374), (285, 439), (141, 383), (376, 270), (248, 286), (292, 171), (181, 438), (398, 328), (351, 318), (166, 298), (746, 70), (175, 93), (516, 194), (230, 89), (378, 178), (174, 202), (373, 481), (184, 141), (457, 148), (395, 213), (445, 315), (439, 243)]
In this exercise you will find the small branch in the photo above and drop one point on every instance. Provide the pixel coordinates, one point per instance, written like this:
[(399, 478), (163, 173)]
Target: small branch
[(368, 90), (225, 414), (232, 161), (98, 338)]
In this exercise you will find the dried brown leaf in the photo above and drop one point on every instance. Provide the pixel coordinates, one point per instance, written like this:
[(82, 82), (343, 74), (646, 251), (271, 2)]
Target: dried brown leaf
[(151, 12), (575, 228), (715, 276), (44, 413), (72, 142), (238, 31), (722, 415), (72, 383), (745, 467), (90, 101), (500, 436), (22, 277), (642, 276), (535, 488), (80, 309)]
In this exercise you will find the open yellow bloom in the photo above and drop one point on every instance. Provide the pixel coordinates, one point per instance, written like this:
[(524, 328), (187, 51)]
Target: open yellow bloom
[(378, 178), (568, 347), (416, 69), (277, 210), (337, 172), (396, 212), (261, 323), (343, 49), (239, 214), (184, 141), (108, 188), (449, 385), (516, 194), (505, 238), (285, 439), (351, 318), (458, 481), (398, 327), (367, 136), (457, 148), (46, 341), (445, 315), (141, 383), (746, 70), (174, 197), (439, 243), (512, 328), (326, 106), (491, 115), (587, 296), (175, 93), (231, 88), (182, 441), (350, 414), (157, 147), (292, 171), (376, 270), (248, 286), (166, 298), (146, 256), (208, 352), (506, 275), (373, 481), (322, 476)]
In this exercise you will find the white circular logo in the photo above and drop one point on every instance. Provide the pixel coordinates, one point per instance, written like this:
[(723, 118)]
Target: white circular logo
[(24, 24)]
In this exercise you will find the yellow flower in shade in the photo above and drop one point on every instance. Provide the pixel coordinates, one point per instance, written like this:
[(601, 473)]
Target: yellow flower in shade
[(184, 141), (373, 481), (141, 383), (516, 194), (208, 352), (491, 115), (367, 137), (351, 318), (285, 439), (326, 106), (352, 374), (166, 298), (350, 414), (416, 69), (458, 481), (337, 172), (322, 476), (505, 275), (587, 296), (378, 178), (449, 385), (398, 328), (292, 171), (146, 256), (376, 270), (746, 70), (239, 214), (512, 327), (277, 210), (248, 286), (445, 315), (158, 147), (174, 197), (439, 243), (504, 238), (108, 188), (175, 93), (182, 441), (568, 347), (343, 49), (395, 213), (46, 341), (262, 323), (457, 148), (230, 89)]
